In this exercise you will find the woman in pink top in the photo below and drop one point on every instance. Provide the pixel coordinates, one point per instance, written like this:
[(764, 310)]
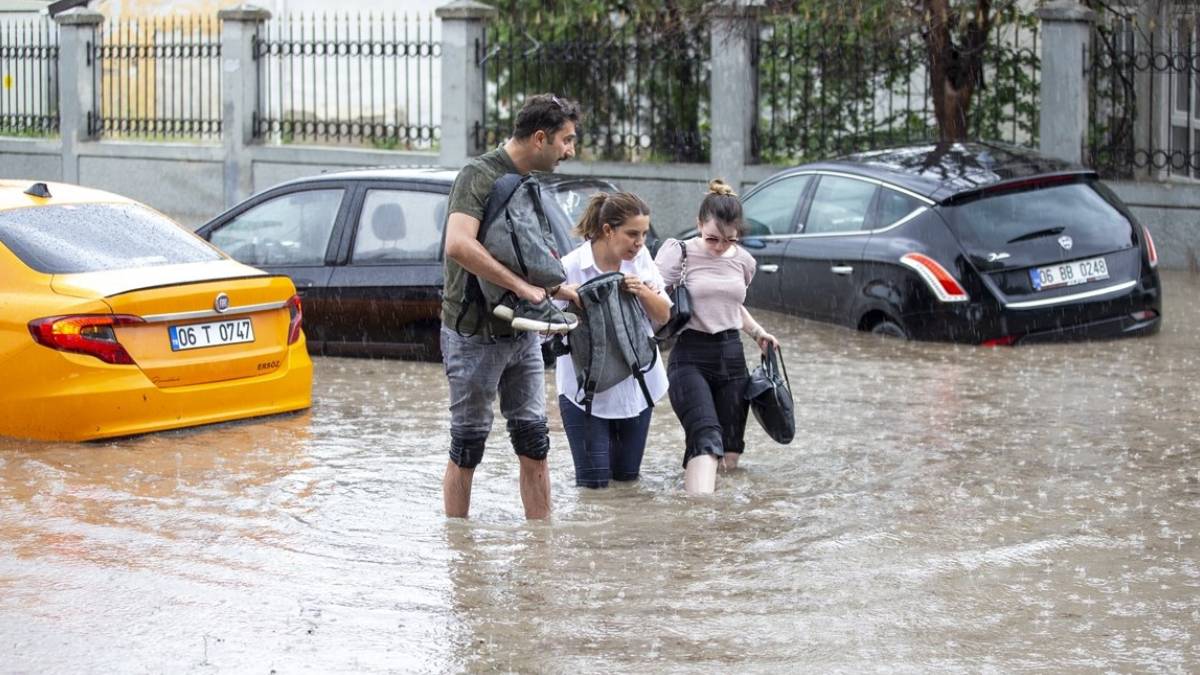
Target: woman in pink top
[(707, 370)]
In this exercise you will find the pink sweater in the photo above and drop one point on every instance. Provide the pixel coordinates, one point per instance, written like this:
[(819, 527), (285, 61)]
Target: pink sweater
[(717, 284)]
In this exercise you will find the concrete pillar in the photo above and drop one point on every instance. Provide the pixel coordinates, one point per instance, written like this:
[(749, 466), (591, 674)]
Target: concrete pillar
[(1066, 32), (733, 90), (463, 23), (239, 96), (76, 83)]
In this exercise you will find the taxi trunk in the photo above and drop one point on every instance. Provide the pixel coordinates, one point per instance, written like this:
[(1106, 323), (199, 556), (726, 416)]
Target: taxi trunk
[(197, 332)]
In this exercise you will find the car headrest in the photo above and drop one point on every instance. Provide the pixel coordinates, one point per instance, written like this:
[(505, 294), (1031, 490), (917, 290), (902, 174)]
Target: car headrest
[(387, 222)]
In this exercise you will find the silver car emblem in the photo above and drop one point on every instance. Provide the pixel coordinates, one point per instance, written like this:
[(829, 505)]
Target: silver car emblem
[(1066, 242), (221, 304), (993, 257)]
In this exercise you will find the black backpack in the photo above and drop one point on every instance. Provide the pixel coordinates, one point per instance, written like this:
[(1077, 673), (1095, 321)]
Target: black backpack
[(516, 231), (611, 342)]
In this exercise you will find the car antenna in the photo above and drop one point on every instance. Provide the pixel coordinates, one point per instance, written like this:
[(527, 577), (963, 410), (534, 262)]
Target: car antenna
[(38, 190)]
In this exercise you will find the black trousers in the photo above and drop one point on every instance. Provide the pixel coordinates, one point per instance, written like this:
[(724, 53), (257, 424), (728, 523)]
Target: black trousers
[(708, 377)]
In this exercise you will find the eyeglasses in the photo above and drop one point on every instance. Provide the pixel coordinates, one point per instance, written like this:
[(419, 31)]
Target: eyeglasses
[(714, 240)]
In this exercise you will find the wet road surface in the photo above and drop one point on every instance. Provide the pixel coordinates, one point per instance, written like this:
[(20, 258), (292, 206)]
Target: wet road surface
[(943, 508)]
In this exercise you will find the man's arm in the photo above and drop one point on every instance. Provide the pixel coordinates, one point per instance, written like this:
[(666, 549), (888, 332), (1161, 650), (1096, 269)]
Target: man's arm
[(463, 247)]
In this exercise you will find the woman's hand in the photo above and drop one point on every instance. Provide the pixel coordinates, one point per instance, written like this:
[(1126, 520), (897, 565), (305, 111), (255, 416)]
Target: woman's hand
[(765, 341), (633, 284), (569, 293)]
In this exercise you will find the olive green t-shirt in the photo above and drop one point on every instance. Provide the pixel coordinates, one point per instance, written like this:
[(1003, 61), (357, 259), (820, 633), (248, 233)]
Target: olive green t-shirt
[(469, 196)]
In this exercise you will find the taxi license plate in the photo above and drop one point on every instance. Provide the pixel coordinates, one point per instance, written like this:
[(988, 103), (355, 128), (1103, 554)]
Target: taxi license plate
[(1069, 273), (196, 335)]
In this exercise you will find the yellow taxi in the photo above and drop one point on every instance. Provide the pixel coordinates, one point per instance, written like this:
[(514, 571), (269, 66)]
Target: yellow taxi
[(114, 320)]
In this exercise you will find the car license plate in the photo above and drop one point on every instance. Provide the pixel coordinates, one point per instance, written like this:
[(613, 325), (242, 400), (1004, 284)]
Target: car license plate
[(1069, 273), (196, 335)]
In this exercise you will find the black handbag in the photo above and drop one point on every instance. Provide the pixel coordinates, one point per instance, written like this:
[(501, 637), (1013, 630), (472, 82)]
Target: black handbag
[(770, 397), (681, 303)]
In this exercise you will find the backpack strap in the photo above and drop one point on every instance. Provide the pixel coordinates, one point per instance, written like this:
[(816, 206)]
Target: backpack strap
[(595, 316), (629, 327), (502, 191)]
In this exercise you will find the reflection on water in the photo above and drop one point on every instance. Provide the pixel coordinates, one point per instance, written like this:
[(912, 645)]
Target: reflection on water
[(943, 508)]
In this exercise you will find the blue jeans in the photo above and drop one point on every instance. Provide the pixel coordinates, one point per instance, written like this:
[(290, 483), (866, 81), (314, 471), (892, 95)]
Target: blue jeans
[(479, 370), (604, 449)]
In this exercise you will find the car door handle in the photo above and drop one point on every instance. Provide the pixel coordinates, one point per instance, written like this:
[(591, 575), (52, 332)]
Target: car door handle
[(841, 269), (768, 269)]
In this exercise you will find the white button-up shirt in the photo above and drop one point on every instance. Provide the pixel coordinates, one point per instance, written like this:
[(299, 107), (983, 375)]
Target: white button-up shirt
[(625, 399)]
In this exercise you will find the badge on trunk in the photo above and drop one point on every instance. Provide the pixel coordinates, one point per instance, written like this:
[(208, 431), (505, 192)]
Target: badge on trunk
[(1066, 242), (221, 303)]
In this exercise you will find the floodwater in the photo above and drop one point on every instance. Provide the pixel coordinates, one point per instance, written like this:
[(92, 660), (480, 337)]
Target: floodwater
[(943, 508)]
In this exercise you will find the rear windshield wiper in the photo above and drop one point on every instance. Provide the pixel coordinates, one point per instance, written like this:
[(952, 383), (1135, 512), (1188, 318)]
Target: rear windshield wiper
[(1048, 232)]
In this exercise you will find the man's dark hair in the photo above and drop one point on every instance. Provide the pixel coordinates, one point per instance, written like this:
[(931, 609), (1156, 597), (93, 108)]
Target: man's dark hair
[(544, 112)]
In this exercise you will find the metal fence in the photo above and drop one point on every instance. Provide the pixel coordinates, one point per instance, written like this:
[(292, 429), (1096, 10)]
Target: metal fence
[(28, 78), (642, 81), (823, 94), (157, 77), (341, 79), (1145, 98)]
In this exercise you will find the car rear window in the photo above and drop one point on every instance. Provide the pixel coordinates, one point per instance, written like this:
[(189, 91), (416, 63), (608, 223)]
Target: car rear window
[(76, 238), (572, 198), (1077, 209)]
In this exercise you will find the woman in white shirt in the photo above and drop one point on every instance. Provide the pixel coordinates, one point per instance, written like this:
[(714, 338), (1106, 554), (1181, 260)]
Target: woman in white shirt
[(608, 444)]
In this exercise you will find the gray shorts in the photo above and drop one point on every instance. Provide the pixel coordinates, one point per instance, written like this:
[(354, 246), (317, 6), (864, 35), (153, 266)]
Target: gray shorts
[(479, 369)]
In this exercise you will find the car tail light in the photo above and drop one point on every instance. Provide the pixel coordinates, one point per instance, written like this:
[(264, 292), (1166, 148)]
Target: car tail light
[(90, 334), (941, 282), (1144, 315), (1006, 341), (1150, 250), (297, 317)]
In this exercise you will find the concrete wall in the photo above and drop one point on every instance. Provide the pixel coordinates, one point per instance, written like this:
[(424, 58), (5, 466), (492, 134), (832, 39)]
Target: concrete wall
[(1171, 211)]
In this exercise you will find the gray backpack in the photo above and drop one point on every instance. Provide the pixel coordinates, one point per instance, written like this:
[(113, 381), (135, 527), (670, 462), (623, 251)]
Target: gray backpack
[(611, 342), (517, 233)]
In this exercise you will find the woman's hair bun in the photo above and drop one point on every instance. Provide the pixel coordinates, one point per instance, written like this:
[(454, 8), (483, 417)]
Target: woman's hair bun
[(717, 186)]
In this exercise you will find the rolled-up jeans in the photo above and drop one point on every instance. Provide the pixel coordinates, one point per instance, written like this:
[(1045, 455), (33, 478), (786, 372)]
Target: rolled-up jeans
[(708, 377), (481, 368)]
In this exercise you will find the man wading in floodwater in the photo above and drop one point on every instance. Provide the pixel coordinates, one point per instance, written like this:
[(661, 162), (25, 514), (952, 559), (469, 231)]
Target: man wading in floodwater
[(485, 356)]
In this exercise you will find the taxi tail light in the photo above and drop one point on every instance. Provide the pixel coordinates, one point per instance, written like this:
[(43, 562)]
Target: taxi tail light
[(297, 317), (942, 283), (90, 334), (1151, 252)]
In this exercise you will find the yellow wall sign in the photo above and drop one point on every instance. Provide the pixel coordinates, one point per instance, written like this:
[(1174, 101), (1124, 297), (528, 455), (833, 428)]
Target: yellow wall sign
[(8, 81)]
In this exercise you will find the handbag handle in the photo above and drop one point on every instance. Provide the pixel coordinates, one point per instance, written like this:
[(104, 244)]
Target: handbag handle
[(774, 364)]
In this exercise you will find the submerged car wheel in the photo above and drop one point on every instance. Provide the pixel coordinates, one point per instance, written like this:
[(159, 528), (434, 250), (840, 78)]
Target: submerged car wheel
[(889, 328)]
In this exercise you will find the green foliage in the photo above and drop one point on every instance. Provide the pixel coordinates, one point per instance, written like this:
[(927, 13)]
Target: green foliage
[(8, 131), (638, 69), (1006, 106), (835, 79)]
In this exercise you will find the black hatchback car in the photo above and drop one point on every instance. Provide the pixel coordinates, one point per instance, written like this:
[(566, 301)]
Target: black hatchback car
[(966, 242), (364, 248)]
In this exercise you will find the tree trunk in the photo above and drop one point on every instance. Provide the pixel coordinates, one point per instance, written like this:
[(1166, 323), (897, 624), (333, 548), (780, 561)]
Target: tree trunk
[(955, 70)]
